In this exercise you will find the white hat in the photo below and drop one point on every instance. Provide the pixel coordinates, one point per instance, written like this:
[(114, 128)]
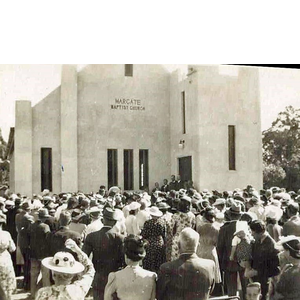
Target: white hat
[(63, 262), (154, 211), (273, 212), (288, 238), (134, 205), (219, 201), (9, 202), (241, 225)]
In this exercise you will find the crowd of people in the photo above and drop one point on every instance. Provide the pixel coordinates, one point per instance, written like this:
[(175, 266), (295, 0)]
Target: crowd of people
[(173, 242)]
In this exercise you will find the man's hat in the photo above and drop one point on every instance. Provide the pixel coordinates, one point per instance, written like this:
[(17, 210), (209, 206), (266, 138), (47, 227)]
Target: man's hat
[(235, 209), (26, 206), (111, 214), (219, 201), (43, 213), (163, 206)]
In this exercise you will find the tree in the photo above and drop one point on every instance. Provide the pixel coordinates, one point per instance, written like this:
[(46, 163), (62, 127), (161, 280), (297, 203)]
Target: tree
[(281, 151), (4, 164)]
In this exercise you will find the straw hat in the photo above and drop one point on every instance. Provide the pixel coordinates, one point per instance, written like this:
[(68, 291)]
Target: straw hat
[(63, 262), (154, 211)]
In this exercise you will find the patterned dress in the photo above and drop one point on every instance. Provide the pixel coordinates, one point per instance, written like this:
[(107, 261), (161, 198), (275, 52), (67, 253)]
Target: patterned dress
[(154, 232), (7, 273), (179, 221)]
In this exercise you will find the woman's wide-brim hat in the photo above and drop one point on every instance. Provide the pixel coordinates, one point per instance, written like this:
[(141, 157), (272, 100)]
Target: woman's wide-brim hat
[(63, 262), (134, 205), (154, 211), (273, 212)]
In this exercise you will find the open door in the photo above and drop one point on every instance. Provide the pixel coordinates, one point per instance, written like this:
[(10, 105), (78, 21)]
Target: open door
[(185, 168)]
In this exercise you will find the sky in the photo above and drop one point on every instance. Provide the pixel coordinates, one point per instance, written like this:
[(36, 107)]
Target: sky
[(278, 89)]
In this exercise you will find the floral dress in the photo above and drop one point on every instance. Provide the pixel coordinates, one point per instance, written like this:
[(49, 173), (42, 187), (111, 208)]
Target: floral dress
[(7, 273), (179, 221), (154, 232), (77, 290)]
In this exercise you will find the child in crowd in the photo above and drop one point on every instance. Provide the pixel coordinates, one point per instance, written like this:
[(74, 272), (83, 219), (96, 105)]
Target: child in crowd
[(241, 247)]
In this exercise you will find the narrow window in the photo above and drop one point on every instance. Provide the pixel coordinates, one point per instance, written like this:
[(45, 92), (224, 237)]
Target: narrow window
[(144, 168), (128, 169), (183, 112), (129, 70), (112, 167), (231, 146), (46, 169)]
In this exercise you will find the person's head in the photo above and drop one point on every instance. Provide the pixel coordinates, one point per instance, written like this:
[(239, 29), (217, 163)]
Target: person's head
[(293, 246), (110, 217), (156, 184), (173, 178), (134, 249), (258, 229), (43, 214), (253, 291), (134, 208), (188, 240), (292, 209), (184, 204), (72, 203), (165, 181), (155, 212), (209, 214), (65, 218), (26, 206), (63, 267)]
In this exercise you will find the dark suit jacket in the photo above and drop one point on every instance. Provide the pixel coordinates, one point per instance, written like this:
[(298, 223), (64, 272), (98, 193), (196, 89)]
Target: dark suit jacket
[(172, 185), (106, 247), (38, 237), (224, 247), (186, 278), (56, 241)]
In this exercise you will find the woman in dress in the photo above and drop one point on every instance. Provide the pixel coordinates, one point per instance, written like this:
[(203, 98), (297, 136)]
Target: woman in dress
[(72, 279), (184, 218), (7, 273), (209, 233), (154, 232), (131, 222), (133, 282)]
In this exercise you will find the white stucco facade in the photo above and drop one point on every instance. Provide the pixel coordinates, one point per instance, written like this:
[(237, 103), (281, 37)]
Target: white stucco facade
[(99, 108)]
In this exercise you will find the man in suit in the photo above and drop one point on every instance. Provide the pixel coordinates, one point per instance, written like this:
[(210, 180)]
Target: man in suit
[(179, 183), (230, 267), (292, 226), (172, 184), (56, 240), (188, 277), (165, 187), (106, 247), (23, 223)]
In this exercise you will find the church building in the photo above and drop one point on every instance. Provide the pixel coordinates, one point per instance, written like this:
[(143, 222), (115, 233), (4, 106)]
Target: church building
[(134, 125)]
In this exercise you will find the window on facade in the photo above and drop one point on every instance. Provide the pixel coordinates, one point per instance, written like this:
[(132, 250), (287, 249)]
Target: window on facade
[(112, 167), (129, 70), (183, 112), (231, 146), (144, 168), (128, 169), (46, 169)]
